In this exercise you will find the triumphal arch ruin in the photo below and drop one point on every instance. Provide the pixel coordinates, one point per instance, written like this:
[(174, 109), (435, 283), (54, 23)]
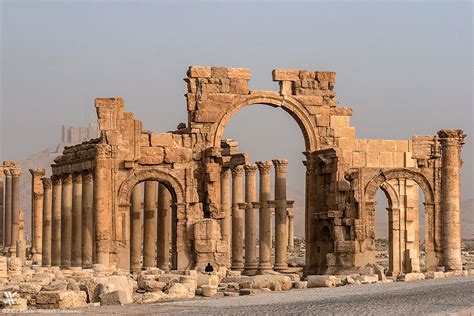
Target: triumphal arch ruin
[(200, 194)]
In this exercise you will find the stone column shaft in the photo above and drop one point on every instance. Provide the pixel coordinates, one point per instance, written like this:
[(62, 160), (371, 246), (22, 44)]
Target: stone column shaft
[(251, 263), (66, 221), (265, 216), (15, 208), (37, 193), (47, 216), (8, 210), (56, 222), (237, 220), (226, 223), (136, 228), (149, 225), (451, 144), (281, 230), (87, 218), (163, 228), (291, 231), (76, 243), (2, 211), (102, 204)]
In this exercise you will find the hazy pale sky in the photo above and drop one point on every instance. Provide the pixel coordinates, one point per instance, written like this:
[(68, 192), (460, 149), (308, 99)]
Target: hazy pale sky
[(405, 67)]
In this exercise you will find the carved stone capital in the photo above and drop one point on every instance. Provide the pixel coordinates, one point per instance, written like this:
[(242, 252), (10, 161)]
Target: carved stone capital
[(87, 176), (47, 183), (264, 166), (451, 137), (225, 172), (7, 172), (16, 172), (37, 172), (250, 169), (237, 171), (55, 179), (280, 165), (66, 178), (77, 177)]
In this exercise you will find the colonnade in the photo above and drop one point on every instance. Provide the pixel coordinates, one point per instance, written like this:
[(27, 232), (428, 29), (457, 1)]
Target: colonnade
[(9, 207), (239, 224), (153, 241)]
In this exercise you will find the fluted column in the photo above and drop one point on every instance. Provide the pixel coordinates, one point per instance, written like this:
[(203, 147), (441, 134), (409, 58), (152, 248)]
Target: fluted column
[(76, 243), (226, 223), (149, 225), (451, 144), (37, 194), (47, 216), (8, 211), (237, 219), (251, 263), (66, 221), (265, 218), (163, 228), (103, 207), (291, 230), (87, 218), (281, 230), (15, 208), (56, 221), (136, 228)]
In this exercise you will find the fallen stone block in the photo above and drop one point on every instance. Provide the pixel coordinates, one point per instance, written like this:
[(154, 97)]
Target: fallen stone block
[(179, 290), (434, 275), (151, 285), (149, 297), (29, 288), (243, 292), (209, 290), (231, 294), (275, 282), (300, 285), (61, 299), (323, 281), (100, 285), (368, 278), (55, 286), (409, 277), (169, 278), (115, 298), (207, 279)]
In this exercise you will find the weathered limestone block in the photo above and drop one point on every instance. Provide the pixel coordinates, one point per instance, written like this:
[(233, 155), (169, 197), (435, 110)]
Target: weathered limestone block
[(29, 288), (14, 266), (169, 278), (100, 285), (118, 297), (209, 290), (285, 74), (178, 290), (61, 299), (434, 275), (162, 140), (199, 72), (55, 286), (149, 297), (323, 281), (409, 277), (368, 278), (151, 155), (178, 155), (207, 279), (275, 282), (151, 285)]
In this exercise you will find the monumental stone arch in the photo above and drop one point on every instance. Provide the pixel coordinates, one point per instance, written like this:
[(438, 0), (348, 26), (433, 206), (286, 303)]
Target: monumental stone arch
[(204, 175)]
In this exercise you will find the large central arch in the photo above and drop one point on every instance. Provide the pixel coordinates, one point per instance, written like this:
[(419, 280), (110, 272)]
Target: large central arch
[(292, 106)]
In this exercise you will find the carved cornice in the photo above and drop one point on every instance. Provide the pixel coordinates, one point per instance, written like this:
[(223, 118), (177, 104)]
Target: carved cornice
[(264, 166)]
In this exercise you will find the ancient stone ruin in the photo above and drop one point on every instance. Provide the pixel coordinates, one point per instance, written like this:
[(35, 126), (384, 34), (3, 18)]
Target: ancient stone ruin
[(133, 199)]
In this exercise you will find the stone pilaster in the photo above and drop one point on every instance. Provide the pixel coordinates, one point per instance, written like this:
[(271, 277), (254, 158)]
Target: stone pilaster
[(8, 210), (226, 222), (163, 228), (47, 220), (76, 243), (281, 230), (103, 207), (87, 218), (37, 193), (66, 220), (237, 219), (136, 228), (15, 208), (451, 144), (56, 221), (149, 225), (265, 216), (291, 230)]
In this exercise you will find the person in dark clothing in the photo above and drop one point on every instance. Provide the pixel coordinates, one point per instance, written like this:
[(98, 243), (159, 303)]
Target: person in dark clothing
[(209, 267)]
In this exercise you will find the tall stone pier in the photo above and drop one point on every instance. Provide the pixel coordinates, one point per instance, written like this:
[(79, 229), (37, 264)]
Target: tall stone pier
[(451, 144)]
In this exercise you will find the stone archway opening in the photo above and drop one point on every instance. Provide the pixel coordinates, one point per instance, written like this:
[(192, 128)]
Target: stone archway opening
[(270, 134), (153, 226)]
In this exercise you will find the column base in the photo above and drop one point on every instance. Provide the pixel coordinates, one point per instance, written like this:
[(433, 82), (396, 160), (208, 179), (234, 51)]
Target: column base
[(264, 267), (237, 267), (249, 272), (280, 266)]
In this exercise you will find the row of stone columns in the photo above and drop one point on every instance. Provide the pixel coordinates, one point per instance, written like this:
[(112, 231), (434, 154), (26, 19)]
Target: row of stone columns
[(242, 216), (62, 219), (156, 227), (9, 207)]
